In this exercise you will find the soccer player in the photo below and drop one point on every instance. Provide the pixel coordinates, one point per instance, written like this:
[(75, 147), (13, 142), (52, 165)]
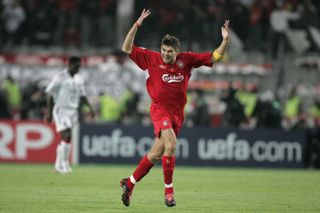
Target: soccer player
[(167, 73), (65, 92)]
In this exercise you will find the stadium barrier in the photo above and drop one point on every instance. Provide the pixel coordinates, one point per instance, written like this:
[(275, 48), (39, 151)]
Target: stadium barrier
[(27, 141), (35, 142), (100, 143)]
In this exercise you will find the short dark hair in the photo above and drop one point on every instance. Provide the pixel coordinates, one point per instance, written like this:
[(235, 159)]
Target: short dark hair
[(170, 40), (74, 60)]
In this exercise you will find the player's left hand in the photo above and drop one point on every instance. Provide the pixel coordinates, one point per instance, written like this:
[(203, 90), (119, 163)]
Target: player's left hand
[(225, 32)]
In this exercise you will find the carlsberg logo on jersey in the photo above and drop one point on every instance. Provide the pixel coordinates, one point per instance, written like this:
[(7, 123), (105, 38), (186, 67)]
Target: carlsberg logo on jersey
[(171, 78)]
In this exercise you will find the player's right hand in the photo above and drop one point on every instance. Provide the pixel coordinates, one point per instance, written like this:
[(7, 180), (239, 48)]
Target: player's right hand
[(145, 13)]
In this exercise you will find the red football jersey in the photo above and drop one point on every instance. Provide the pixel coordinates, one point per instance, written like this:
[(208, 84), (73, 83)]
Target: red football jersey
[(167, 83)]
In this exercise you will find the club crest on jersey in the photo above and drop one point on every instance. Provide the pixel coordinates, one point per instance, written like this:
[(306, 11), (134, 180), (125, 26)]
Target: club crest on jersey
[(172, 78), (165, 123), (180, 64)]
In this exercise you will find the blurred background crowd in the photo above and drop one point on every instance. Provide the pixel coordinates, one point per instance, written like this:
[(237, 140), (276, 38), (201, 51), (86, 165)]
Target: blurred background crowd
[(258, 24), (280, 35)]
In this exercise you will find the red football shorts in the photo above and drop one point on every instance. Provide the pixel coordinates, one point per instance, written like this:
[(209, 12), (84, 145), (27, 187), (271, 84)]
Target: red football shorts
[(162, 119)]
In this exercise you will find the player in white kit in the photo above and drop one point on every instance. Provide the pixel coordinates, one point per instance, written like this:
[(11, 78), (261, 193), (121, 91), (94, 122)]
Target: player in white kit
[(65, 92)]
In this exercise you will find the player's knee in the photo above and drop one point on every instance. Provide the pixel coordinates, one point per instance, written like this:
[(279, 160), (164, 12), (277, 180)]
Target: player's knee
[(170, 147), (154, 157), (66, 139), (66, 136), (157, 159)]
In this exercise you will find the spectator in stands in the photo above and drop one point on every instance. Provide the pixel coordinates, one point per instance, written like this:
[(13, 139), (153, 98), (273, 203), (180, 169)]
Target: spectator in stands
[(248, 98), (13, 96), (26, 105), (107, 17), (130, 101), (292, 111), (314, 114), (13, 17), (234, 113), (268, 112), (279, 21), (109, 108), (314, 133), (1, 26), (214, 18), (200, 115), (308, 15), (258, 24), (123, 16), (89, 11), (4, 108), (42, 24), (38, 103), (236, 11), (68, 26)]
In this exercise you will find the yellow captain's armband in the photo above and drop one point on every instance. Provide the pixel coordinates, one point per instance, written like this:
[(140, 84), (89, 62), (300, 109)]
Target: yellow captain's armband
[(217, 56)]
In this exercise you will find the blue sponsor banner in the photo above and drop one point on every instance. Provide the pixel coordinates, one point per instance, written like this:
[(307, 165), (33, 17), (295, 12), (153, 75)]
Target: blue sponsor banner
[(101, 143)]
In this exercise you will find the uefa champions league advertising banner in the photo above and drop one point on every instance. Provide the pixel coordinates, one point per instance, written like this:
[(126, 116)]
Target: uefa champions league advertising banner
[(100, 143)]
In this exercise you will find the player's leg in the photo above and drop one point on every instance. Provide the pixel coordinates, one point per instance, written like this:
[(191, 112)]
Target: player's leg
[(62, 164), (147, 162), (58, 161), (66, 150), (169, 140), (144, 166), (59, 150), (63, 120)]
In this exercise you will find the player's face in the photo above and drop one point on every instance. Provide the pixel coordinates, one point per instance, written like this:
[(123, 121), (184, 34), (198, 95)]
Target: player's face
[(168, 54), (74, 68)]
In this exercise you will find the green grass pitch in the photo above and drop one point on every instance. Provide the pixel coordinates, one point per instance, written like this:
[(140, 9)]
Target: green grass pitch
[(92, 188)]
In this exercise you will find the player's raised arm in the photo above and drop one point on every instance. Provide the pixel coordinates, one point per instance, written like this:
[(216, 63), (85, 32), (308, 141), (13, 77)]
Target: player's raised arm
[(218, 54), (128, 42)]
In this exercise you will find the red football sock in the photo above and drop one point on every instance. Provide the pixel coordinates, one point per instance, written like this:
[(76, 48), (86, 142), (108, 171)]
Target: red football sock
[(168, 163), (142, 169)]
